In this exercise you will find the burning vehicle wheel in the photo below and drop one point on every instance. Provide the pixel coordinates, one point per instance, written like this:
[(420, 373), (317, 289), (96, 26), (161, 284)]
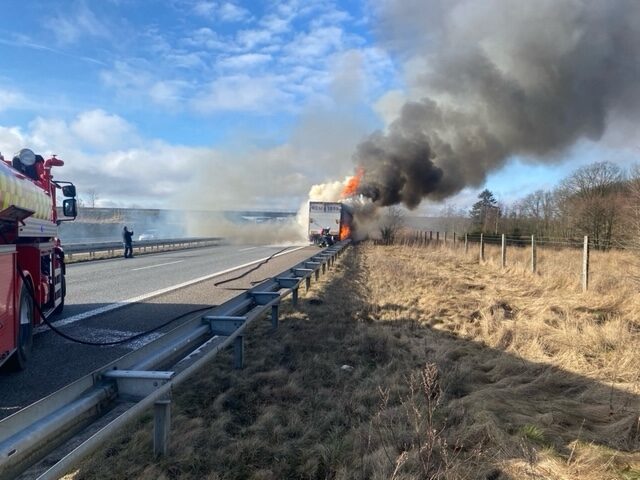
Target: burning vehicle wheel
[(25, 331)]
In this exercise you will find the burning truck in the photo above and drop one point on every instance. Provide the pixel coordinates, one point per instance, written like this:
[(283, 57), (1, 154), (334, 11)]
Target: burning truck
[(329, 222), (32, 269)]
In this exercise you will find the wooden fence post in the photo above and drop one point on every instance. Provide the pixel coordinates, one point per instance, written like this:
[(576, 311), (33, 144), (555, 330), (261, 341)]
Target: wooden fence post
[(430, 235), (454, 240), (445, 239), (466, 243), (585, 264), (534, 254), (504, 251), (437, 237), (482, 247)]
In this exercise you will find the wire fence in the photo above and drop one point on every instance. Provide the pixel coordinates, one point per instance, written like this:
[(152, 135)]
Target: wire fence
[(525, 248)]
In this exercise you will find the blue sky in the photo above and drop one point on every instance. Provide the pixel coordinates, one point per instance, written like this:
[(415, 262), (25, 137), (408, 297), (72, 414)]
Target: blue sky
[(210, 104)]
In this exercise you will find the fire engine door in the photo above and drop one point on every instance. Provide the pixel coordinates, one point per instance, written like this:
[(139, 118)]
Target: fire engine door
[(7, 300)]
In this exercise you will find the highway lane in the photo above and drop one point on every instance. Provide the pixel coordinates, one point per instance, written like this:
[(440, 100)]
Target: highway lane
[(92, 285), (57, 362)]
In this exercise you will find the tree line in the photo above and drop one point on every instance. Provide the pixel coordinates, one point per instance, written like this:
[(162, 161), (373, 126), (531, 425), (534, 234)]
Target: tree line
[(601, 200)]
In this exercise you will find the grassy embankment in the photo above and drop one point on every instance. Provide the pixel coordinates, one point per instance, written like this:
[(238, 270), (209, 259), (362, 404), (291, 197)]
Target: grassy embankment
[(455, 370)]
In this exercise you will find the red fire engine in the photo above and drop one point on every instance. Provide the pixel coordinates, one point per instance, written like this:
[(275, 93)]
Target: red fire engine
[(32, 269)]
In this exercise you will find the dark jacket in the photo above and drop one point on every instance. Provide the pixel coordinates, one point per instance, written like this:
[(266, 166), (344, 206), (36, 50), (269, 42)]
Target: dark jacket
[(126, 236)]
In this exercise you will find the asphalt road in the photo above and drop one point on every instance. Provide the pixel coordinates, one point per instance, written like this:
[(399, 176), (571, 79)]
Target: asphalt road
[(113, 299)]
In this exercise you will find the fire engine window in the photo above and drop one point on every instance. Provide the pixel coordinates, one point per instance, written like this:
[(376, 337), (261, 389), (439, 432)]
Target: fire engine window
[(45, 264)]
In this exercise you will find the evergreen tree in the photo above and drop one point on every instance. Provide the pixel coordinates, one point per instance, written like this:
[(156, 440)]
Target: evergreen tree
[(484, 212)]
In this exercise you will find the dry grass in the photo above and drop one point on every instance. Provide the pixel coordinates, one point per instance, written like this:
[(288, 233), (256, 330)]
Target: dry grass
[(459, 371)]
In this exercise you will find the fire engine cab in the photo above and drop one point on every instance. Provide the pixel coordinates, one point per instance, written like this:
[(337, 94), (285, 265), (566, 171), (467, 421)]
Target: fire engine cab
[(32, 269)]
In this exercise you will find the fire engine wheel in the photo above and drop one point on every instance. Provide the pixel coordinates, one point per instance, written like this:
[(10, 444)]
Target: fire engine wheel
[(25, 331), (63, 291)]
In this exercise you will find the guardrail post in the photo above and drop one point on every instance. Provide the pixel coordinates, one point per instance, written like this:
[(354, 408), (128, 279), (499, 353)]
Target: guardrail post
[(430, 235), (466, 243), (438, 237), (307, 283), (585, 264), (445, 238), (274, 316), (504, 251), (161, 426), (482, 247), (534, 254), (454, 240), (238, 352), (294, 297)]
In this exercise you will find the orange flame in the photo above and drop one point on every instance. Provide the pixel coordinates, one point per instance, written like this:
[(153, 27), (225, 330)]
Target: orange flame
[(345, 232), (353, 183)]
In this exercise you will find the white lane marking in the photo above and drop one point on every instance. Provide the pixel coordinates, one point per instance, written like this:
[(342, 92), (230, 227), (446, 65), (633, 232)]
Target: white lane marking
[(247, 249), (154, 266), (145, 296)]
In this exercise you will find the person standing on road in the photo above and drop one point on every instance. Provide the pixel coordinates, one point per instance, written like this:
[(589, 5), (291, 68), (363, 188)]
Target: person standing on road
[(128, 242)]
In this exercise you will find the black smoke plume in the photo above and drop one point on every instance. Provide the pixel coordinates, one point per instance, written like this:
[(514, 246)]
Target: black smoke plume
[(500, 78)]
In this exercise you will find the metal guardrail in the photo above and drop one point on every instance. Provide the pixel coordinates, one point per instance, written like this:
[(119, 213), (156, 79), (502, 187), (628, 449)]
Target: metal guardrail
[(138, 246), (107, 399)]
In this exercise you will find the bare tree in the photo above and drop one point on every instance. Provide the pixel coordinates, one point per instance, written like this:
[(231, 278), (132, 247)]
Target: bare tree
[(391, 224), (92, 197), (454, 219), (591, 199)]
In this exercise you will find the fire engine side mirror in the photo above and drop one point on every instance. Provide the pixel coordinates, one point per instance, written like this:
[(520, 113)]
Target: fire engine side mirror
[(70, 207), (69, 191)]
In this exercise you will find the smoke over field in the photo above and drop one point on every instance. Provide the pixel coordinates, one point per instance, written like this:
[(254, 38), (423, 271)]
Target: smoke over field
[(495, 79)]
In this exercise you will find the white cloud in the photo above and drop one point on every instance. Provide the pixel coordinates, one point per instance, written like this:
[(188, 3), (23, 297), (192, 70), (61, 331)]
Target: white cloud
[(226, 11), (310, 46), (245, 61), (230, 12), (100, 130), (168, 93), (10, 99), (125, 77), (242, 93), (140, 83), (68, 28), (204, 38), (104, 152), (184, 60), (275, 24), (264, 65), (12, 139), (204, 8), (249, 39), (332, 16)]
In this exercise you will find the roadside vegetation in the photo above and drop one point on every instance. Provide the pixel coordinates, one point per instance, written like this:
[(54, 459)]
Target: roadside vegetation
[(417, 363)]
